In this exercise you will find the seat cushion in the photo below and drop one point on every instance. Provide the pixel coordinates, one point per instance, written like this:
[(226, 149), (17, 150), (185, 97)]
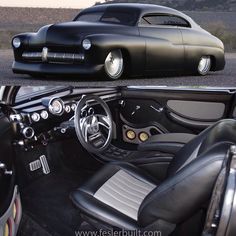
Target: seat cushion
[(114, 195)]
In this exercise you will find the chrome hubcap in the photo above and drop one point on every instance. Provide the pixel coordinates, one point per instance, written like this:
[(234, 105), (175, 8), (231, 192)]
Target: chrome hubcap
[(114, 64), (204, 65)]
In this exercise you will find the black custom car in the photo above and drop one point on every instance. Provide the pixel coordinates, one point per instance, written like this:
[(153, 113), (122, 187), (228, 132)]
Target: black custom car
[(118, 40), (160, 161)]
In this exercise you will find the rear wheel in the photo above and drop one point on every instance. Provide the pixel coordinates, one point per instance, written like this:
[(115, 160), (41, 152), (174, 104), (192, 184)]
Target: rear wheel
[(204, 65), (114, 65)]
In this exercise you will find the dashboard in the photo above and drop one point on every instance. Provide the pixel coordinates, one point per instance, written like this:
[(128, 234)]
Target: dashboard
[(48, 118)]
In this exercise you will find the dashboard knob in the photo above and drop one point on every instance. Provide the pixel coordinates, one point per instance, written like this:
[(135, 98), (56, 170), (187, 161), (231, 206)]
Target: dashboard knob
[(28, 132)]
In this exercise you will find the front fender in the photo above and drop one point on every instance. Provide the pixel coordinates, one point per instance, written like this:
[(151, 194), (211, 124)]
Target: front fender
[(133, 48)]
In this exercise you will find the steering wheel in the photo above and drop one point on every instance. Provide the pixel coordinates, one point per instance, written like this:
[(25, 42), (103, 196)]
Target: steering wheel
[(94, 131)]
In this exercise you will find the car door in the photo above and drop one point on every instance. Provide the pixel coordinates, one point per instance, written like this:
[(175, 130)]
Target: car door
[(154, 110), (10, 205), (164, 43)]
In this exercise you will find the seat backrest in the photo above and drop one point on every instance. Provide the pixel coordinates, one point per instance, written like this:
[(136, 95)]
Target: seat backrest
[(183, 193), (222, 131)]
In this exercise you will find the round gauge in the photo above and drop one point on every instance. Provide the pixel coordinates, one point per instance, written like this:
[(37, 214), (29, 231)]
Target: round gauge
[(56, 106), (44, 115), (143, 136), (35, 117), (73, 106), (67, 109), (131, 134), (90, 111)]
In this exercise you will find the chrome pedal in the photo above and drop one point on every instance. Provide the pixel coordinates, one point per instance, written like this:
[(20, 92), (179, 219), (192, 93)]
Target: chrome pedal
[(40, 163), (44, 163), (35, 165)]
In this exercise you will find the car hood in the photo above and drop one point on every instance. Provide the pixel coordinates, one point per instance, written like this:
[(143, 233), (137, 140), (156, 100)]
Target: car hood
[(72, 33)]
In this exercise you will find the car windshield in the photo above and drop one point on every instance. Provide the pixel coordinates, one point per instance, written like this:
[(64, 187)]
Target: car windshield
[(32, 94), (112, 16)]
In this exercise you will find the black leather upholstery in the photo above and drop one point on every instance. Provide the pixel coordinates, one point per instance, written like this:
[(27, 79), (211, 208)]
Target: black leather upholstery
[(181, 195), (84, 200), (189, 184), (222, 131)]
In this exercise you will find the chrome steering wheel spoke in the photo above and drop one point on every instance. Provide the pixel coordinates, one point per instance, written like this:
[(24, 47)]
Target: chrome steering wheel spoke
[(104, 121)]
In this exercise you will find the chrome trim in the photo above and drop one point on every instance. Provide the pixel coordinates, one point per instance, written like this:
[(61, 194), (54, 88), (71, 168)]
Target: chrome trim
[(46, 56), (44, 163), (67, 108), (15, 117), (50, 106), (44, 114), (35, 165), (73, 106), (35, 117), (32, 55), (25, 130)]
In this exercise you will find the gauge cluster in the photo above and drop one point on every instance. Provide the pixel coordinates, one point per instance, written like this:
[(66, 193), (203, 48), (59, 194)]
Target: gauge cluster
[(49, 118), (41, 122), (54, 107)]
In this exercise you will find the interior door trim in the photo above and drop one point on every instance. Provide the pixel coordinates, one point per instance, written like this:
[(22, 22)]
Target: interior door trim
[(190, 123), (197, 110)]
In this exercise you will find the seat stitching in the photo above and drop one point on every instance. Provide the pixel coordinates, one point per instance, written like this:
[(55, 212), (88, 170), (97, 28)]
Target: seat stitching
[(131, 193), (107, 186), (116, 199), (136, 184), (119, 180)]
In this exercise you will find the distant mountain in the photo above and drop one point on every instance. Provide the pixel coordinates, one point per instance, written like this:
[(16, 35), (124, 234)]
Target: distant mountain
[(190, 5)]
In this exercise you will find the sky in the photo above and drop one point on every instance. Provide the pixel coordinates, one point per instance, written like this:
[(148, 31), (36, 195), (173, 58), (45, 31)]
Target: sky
[(48, 3)]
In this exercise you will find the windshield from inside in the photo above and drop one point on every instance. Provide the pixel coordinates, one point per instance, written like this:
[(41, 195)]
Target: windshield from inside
[(112, 16)]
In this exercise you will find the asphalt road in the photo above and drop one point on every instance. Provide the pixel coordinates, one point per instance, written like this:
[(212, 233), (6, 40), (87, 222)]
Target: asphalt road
[(226, 78)]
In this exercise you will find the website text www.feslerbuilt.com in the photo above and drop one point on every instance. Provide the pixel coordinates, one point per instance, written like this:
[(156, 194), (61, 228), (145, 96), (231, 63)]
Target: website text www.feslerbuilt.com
[(118, 233)]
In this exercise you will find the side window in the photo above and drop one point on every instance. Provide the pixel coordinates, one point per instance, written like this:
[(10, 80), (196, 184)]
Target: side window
[(165, 20), (90, 17)]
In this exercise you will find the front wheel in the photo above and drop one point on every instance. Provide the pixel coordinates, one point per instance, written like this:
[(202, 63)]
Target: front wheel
[(114, 64), (204, 65)]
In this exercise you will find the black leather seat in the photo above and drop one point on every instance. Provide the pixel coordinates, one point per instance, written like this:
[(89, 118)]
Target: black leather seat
[(122, 196)]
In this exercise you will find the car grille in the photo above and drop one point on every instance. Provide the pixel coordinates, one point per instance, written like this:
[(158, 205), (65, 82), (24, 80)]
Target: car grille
[(53, 57)]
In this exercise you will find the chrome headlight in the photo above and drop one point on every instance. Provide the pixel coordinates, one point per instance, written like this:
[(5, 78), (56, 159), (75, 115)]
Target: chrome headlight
[(16, 42), (86, 44)]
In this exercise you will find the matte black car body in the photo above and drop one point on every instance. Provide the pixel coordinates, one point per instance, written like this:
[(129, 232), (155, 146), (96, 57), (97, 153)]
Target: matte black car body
[(146, 49)]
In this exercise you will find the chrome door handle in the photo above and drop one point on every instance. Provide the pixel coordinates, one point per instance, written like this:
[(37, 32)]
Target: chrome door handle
[(3, 168), (160, 109)]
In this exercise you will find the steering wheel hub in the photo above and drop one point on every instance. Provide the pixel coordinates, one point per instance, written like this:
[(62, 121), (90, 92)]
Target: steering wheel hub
[(93, 125)]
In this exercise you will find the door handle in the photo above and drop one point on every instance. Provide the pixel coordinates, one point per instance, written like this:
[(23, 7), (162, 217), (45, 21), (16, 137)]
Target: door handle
[(160, 109), (3, 168)]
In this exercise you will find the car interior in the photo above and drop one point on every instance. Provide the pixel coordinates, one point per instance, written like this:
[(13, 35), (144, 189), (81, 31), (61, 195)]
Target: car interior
[(135, 158)]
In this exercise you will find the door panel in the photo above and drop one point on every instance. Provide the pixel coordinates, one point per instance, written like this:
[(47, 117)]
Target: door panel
[(180, 111), (10, 207), (164, 48), (196, 110), (10, 220)]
